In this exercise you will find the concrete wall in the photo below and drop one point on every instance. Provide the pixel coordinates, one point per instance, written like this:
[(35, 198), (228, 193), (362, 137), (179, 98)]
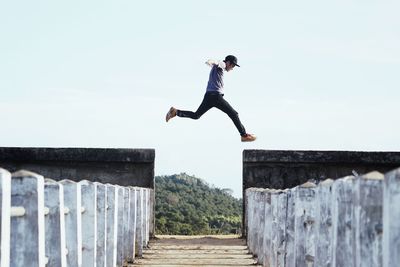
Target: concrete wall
[(124, 167), (351, 221), (280, 169)]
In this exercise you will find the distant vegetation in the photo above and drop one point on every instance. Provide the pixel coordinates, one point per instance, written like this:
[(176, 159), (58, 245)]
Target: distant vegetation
[(186, 205)]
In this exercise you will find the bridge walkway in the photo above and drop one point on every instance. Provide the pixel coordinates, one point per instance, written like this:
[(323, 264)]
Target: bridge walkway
[(216, 251)]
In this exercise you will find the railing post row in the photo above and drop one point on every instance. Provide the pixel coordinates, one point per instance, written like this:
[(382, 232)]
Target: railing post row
[(67, 223)]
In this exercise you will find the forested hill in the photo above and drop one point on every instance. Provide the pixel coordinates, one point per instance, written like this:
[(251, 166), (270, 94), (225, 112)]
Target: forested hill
[(187, 205)]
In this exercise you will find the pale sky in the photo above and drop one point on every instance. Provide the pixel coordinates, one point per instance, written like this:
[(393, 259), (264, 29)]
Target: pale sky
[(314, 75)]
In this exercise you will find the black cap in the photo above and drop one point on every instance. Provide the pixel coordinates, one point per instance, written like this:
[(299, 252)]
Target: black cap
[(232, 59)]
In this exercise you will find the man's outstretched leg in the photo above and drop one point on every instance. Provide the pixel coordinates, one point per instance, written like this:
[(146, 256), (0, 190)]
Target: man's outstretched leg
[(224, 106), (205, 105)]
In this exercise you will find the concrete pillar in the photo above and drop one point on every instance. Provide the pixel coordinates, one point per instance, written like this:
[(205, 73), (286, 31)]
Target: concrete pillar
[(112, 225), (290, 258), (323, 207), (27, 223), (259, 223), (267, 230), (132, 224), (126, 223), (367, 217), (89, 223), (305, 224), (250, 215), (247, 215), (54, 224), (274, 226), (101, 227), (73, 222), (5, 208), (139, 222), (391, 219), (342, 224), (152, 213), (120, 229), (281, 214), (147, 216)]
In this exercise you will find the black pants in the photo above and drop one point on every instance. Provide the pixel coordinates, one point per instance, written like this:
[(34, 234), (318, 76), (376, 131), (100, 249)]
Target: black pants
[(214, 99)]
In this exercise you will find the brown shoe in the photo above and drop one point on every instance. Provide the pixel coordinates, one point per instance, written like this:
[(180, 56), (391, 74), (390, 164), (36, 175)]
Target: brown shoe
[(248, 138), (171, 113)]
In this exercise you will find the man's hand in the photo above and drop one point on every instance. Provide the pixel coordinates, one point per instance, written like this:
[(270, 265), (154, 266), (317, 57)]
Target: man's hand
[(211, 62)]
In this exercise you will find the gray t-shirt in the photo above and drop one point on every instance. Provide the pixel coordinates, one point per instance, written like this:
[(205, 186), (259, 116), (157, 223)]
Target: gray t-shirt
[(215, 82)]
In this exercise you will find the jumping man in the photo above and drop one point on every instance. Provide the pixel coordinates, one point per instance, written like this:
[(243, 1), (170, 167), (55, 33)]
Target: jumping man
[(214, 97)]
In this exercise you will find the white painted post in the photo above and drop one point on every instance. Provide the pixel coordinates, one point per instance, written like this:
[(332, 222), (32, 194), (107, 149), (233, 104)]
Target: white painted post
[(391, 219), (267, 230), (5, 205), (27, 229), (147, 216), (101, 198), (120, 230), (132, 223), (274, 227), (250, 218), (342, 225), (290, 258), (89, 223), (139, 222), (305, 224), (112, 225), (126, 223), (55, 224), (248, 204), (152, 215), (73, 222), (260, 215), (281, 227), (368, 196), (323, 206)]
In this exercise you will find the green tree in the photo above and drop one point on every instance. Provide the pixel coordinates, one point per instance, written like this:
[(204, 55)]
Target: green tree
[(188, 205)]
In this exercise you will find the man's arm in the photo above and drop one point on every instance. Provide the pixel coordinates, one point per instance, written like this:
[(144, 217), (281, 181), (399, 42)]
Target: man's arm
[(212, 62)]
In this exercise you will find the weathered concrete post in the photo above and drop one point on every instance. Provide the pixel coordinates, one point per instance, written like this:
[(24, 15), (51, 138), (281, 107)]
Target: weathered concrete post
[(126, 223), (27, 224), (267, 230), (55, 224), (391, 219), (5, 205), (101, 227), (250, 196), (342, 222), (368, 196), (120, 221), (274, 226), (147, 215), (323, 207), (259, 224), (112, 225), (305, 224), (152, 213), (280, 240), (132, 224), (73, 222), (139, 222), (290, 258), (89, 223)]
